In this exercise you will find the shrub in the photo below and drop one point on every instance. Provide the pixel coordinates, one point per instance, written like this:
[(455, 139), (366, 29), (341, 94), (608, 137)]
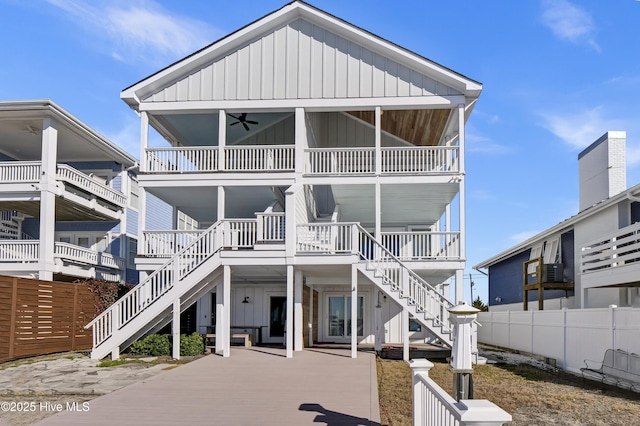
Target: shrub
[(152, 345), (162, 345), (192, 344)]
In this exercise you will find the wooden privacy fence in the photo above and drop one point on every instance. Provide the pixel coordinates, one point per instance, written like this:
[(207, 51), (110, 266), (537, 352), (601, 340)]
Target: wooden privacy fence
[(42, 317)]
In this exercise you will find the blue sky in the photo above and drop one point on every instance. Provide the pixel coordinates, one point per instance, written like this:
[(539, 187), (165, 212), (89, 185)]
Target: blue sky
[(557, 74)]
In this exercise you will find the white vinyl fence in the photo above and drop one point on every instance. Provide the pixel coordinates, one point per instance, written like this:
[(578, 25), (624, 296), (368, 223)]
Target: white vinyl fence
[(570, 336)]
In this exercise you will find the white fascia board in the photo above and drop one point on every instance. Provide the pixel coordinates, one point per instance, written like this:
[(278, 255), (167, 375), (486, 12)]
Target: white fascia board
[(215, 179), (407, 179), (310, 105), (252, 258), (19, 192), (324, 259)]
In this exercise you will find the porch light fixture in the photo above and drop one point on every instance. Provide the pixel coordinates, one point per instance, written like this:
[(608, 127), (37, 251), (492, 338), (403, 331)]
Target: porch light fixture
[(379, 305), (246, 299)]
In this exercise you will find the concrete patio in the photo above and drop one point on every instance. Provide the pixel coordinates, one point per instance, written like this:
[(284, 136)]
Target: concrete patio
[(254, 386)]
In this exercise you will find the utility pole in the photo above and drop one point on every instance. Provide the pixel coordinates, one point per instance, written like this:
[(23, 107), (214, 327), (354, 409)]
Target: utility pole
[(472, 284)]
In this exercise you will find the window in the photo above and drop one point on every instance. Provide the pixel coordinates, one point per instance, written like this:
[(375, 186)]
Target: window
[(134, 193), (132, 252), (414, 325)]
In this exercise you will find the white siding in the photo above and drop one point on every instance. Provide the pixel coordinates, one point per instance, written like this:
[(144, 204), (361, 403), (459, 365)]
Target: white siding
[(297, 61)]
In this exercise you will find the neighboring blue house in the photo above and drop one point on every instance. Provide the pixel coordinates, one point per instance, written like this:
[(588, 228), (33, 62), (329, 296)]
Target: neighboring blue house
[(590, 260), (68, 197)]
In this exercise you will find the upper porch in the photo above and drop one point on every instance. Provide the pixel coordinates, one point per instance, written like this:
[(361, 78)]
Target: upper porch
[(80, 196)]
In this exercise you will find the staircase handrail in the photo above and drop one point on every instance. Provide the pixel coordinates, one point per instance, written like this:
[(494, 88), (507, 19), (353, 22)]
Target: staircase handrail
[(141, 296), (442, 300)]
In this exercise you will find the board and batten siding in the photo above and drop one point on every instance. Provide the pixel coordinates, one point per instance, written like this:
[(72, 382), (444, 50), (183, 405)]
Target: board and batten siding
[(301, 60)]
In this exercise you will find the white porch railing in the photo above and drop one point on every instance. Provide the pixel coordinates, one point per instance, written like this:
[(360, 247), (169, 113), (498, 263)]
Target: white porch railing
[(432, 159), (270, 227), (259, 158), (85, 182), (168, 242), (341, 161), (238, 233), (617, 249), (432, 406), (179, 160), (337, 238), (19, 251), (80, 254), (20, 171), (413, 246)]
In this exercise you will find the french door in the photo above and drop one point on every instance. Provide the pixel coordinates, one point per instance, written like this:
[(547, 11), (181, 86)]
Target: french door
[(339, 309)]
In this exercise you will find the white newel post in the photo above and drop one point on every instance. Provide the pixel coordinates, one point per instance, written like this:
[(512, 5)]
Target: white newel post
[(419, 366), (222, 139), (462, 315)]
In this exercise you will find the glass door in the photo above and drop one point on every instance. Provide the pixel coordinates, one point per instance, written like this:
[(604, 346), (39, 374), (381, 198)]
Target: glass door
[(340, 316)]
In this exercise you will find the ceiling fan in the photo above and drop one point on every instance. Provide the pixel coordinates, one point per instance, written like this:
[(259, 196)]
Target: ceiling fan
[(242, 119)]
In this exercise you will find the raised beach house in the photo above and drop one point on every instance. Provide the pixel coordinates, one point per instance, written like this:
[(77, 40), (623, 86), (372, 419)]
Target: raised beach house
[(316, 174)]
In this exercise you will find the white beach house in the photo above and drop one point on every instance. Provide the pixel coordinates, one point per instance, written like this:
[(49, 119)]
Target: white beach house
[(317, 178), (65, 205)]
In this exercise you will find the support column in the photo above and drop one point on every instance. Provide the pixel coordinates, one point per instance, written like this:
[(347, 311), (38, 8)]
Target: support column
[(176, 329), (48, 199), (223, 314), (378, 213), (311, 316), (301, 142), (378, 323), (289, 316), (222, 137), (459, 286), (378, 141), (298, 324), (144, 140), (405, 334), (221, 203), (354, 311)]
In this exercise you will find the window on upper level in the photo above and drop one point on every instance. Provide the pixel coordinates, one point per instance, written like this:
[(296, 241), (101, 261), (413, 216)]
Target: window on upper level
[(134, 191), (132, 252), (186, 222)]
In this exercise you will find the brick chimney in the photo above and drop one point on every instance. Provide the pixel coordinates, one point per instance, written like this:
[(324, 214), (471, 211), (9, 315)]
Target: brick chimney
[(603, 169)]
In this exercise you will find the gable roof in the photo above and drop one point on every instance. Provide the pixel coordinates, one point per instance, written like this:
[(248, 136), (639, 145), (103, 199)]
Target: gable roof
[(284, 42)]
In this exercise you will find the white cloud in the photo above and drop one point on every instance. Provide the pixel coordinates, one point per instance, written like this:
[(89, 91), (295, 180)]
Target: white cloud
[(579, 129), (138, 30), (569, 22)]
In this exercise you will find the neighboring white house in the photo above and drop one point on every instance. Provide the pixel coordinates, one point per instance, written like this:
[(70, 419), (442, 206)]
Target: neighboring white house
[(598, 249), (317, 175), (65, 210)]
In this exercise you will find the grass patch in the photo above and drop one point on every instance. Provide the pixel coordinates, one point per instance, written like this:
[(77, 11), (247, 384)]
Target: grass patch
[(532, 396)]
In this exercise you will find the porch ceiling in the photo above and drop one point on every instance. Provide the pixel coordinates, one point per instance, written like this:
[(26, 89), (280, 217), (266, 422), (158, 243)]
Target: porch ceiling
[(65, 210), (21, 139), (422, 127), (201, 203), (400, 204)]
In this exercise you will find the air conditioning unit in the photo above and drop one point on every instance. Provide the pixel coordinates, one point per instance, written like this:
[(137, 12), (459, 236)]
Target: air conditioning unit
[(552, 273)]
